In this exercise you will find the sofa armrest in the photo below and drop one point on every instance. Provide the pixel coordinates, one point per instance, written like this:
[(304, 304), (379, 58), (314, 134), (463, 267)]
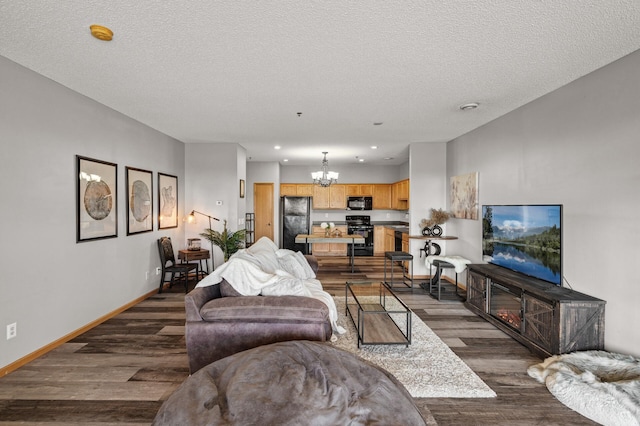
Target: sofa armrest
[(313, 262), (196, 299)]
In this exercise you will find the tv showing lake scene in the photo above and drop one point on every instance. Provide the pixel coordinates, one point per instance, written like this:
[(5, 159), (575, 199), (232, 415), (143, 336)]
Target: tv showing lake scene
[(525, 239)]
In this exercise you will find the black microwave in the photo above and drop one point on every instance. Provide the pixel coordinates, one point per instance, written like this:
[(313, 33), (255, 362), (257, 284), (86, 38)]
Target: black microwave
[(359, 203)]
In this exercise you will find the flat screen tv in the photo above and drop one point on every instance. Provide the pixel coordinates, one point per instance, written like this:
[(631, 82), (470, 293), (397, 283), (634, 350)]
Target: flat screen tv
[(524, 238)]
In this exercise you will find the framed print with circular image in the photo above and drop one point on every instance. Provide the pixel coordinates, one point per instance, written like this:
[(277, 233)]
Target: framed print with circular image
[(96, 199), (139, 200)]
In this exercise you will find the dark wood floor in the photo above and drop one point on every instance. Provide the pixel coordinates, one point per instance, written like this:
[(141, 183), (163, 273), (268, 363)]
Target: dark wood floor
[(121, 371)]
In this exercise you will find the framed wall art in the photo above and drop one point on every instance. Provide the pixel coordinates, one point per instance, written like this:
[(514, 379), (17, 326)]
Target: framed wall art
[(139, 200), (241, 188), (167, 201), (464, 196), (96, 199)]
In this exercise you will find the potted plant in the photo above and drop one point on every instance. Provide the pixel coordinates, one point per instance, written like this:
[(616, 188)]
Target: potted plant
[(228, 241)]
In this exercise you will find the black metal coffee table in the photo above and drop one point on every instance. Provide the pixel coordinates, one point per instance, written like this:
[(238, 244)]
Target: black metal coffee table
[(379, 316)]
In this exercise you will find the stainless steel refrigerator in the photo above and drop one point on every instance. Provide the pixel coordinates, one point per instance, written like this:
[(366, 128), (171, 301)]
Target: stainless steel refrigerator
[(296, 219)]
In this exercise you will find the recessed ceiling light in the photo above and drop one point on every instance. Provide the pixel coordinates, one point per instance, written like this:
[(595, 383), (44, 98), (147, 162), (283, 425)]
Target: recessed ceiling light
[(469, 106), (361, 160), (285, 160), (374, 147), (388, 158), (101, 33), (276, 147)]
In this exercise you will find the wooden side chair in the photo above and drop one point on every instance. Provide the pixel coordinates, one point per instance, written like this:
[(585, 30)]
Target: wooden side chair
[(178, 271)]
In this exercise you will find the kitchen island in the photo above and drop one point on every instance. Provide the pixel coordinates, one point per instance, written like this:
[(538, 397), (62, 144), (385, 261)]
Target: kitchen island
[(350, 239)]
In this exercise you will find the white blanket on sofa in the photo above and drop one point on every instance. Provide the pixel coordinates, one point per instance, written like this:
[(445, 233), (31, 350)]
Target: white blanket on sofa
[(265, 270)]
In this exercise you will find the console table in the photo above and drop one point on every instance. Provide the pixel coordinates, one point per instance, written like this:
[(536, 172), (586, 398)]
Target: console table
[(199, 255), (351, 239), (544, 317)]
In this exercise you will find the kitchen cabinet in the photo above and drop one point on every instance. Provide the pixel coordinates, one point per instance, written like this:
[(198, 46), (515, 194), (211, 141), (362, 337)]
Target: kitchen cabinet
[(296, 190), (381, 193), (288, 189), (389, 239), (329, 249), (359, 190), (378, 240), (405, 242), (330, 197), (400, 195), (385, 196)]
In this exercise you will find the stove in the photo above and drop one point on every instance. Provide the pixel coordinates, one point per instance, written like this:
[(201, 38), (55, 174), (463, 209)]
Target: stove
[(361, 225)]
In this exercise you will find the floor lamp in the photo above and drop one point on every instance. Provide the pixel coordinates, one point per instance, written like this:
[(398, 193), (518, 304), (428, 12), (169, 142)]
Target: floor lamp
[(192, 219)]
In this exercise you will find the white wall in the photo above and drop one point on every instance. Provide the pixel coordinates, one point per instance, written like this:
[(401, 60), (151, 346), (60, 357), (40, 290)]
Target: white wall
[(349, 173), (51, 285), (212, 182), (577, 146), (427, 190)]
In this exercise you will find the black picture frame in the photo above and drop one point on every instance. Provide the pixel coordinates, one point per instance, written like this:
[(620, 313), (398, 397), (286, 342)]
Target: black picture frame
[(139, 200), (96, 199), (167, 201), (242, 188)]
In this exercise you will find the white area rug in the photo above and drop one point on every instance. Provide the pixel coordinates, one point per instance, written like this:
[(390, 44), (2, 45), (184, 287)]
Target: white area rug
[(428, 368), (602, 386)]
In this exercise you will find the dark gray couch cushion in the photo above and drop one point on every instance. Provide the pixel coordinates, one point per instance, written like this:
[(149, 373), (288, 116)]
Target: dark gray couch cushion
[(260, 309)]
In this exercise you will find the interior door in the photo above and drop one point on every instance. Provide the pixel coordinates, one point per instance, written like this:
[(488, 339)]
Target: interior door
[(263, 206)]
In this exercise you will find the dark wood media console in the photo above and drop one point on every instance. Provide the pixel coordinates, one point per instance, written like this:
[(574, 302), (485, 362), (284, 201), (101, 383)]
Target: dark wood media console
[(546, 318)]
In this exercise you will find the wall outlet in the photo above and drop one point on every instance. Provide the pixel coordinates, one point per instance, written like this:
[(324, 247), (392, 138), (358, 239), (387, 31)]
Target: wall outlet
[(158, 269), (388, 215), (241, 221), (12, 330), (326, 215), (146, 275)]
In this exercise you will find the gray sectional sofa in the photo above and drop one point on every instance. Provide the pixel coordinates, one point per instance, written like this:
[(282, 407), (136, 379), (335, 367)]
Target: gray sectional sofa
[(220, 322)]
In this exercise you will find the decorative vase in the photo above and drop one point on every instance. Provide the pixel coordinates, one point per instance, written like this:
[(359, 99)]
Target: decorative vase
[(327, 232)]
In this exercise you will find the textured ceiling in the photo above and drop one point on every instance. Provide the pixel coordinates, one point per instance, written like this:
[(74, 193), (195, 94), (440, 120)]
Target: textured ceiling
[(240, 71)]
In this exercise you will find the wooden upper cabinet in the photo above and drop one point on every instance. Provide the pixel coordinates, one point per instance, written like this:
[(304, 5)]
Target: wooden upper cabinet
[(337, 197), (403, 189), (331, 197), (304, 190), (359, 190), (288, 189), (381, 193), (296, 190), (386, 196), (320, 197), (353, 190), (400, 195)]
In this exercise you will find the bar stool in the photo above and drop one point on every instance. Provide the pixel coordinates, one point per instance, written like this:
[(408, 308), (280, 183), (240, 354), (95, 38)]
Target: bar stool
[(400, 257), (435, 281)]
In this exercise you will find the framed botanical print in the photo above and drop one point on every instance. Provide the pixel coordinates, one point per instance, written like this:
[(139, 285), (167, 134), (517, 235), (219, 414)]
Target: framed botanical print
[(167, 201), (96, 199), (139, 200), (241, 188)]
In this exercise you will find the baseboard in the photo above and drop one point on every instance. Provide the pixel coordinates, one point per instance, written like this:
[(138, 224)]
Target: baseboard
[(51, 346)]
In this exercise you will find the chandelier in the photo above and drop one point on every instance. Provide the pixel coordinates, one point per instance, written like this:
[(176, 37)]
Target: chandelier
[(324, 177)]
